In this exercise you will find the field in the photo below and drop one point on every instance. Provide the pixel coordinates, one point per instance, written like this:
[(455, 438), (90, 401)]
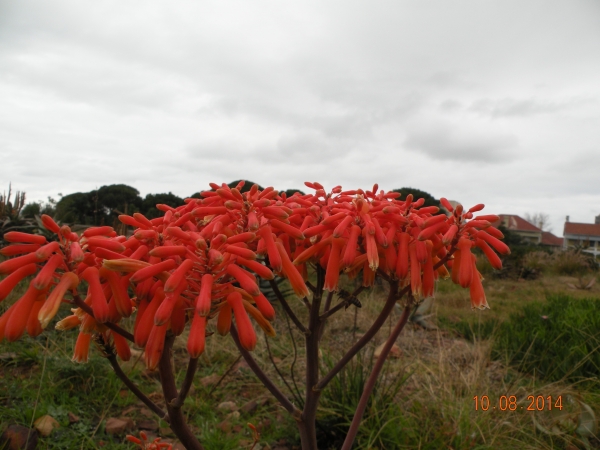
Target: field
[(425, 397)]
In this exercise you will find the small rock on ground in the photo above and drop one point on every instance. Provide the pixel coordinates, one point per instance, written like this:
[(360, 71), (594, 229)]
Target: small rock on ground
[(16, 436)]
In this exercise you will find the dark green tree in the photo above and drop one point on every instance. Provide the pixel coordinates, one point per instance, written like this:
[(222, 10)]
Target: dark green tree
[(148, 207), (247, 185), (290, 192), (430, 200), (75, 208), (99, 207)]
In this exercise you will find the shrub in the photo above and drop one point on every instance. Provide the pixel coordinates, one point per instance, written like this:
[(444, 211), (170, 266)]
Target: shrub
[(556, 340), (572, 262)]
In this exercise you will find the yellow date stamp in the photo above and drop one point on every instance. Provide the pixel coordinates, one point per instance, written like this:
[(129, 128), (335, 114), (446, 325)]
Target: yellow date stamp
[(511, 403)]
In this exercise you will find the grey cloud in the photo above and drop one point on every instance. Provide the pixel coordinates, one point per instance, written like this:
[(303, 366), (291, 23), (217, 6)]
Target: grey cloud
[(510, 107), (450, 105), (443, 142)]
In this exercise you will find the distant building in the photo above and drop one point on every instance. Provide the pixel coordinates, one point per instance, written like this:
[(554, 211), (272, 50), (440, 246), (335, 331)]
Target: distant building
[(528, 231), (586, 235)]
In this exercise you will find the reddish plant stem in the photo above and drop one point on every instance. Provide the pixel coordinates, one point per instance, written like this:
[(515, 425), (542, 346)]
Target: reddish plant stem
[(112, 359), (370, 385), (187, 382), (371, 332), (289, 406), (287, 307), (178, 423), (116, 328), (328, 301), (307, 427)]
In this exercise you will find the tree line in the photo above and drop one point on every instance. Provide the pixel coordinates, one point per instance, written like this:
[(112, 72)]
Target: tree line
[(102, 206)]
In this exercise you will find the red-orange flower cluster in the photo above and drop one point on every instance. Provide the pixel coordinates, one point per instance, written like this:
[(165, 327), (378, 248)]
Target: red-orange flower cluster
[(201, 261)]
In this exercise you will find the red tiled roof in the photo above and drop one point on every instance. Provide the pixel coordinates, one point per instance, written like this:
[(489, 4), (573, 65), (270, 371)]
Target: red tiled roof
[(516, 223), (582, 229), (549, 239)]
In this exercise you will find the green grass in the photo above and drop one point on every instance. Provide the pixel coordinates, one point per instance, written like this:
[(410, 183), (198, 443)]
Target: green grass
[(424, 398)]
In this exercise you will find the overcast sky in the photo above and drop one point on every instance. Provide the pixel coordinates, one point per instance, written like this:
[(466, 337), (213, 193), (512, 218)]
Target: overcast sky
[(477, 101)]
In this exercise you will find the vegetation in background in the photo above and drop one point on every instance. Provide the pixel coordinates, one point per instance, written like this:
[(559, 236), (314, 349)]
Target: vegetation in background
[(430, 200)]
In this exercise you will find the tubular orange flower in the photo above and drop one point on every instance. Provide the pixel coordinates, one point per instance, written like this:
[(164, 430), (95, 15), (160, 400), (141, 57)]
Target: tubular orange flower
[(82, 348), (342, 226), (262, 271), (428, 232), (259, 318), (144, 327), (34, 328), (495, 232), (264, 306), (215, 257), (253, 222), (415, 270), (245, 330), (379, 234), (98, 231), (494, 260), (128, 220), (168, 250), (499, 246), (155, 345), (421, 249), (19, 249), (428, 273), (127, 265), (289, 229), (240, 251), (274, 256), (197, 337), (455, 267), (17, 236), (68, 323), (45, 251), (350, 252), (50, 224), (224, 319), (11, 265), (178, 275), (368, 275), (446, 204), (247, 282), (99, 303), (450, 234), (153, 270), (465, 271), (104, 253), (204, 301), (107, 243), (246, 237), (76, 252), (165, 310), (50, 307), (44, 277), (143, 220), (9, 283), (18, 318), (332, 273), (146, 234), (121, 346), (476, 291), (291, 272), (119, 292), (178, 318), (312, 250), (372, 253)]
